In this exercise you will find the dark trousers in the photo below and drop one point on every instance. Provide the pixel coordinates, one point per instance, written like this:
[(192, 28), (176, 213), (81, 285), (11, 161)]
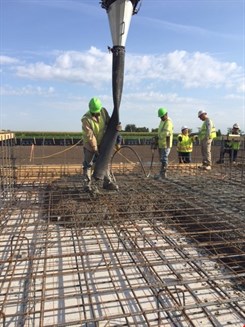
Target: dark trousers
[(232, 154), (184, 157)]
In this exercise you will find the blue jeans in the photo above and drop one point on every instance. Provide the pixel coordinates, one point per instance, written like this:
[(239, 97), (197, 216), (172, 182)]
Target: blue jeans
[(88, 165), (164, 153)]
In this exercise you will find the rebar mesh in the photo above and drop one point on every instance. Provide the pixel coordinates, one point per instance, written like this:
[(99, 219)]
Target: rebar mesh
[(167, 253), (7, 172)]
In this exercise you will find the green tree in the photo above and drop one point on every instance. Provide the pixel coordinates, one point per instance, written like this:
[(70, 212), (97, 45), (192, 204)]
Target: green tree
[(218, 132), (130, 128), (142, 129)]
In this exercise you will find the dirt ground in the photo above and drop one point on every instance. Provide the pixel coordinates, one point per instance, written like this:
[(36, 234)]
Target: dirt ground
[(63, 155)]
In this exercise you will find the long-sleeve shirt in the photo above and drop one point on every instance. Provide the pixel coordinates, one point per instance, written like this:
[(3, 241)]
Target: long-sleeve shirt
[(165, 130), (93, 129), (207, 130)]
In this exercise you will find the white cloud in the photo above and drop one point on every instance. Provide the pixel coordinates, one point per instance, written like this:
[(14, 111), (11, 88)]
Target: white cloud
[(6, 60), (192, 70), (241, 87), (26, 90), (190, 29), (92, 67)]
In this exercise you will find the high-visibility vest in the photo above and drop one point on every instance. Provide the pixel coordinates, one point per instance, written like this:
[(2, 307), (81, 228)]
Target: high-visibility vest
[(203, 131), (98, 127), (165, 129), (234, 144), (186, 145)]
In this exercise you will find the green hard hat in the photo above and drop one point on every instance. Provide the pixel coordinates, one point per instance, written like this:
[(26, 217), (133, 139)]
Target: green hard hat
[(95, 105), (162, 112)]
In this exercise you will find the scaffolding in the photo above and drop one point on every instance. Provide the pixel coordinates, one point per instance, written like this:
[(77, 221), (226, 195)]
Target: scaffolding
[(167, 253)]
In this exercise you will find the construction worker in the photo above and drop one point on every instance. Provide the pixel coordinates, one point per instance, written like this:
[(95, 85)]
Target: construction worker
[(185, 145), (165, 141), (206, 135), (231, 145), (94, 124)]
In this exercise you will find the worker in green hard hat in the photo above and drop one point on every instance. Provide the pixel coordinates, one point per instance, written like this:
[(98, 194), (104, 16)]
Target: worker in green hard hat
[(165, 141), (94, 124)]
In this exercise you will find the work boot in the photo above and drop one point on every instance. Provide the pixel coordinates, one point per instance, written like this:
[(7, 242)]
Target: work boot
[(162, 174), (160, 177), (90, 183), (109, 185), (88, 188), (204, 164), (207, 167)]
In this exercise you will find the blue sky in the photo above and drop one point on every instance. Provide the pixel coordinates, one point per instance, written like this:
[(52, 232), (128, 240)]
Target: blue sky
[(182, 55)]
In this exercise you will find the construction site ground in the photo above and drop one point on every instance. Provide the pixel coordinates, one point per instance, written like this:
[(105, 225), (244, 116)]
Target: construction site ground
[(154, 253)]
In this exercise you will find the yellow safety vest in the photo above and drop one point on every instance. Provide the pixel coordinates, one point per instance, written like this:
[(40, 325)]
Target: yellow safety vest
[(234, 145), (97, 127), (203, 131), (165, 129), (186, 144)]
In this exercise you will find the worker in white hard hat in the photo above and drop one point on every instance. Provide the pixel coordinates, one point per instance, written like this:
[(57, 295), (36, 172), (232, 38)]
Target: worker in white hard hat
[(206, 135), (231, 145), (185, 145)]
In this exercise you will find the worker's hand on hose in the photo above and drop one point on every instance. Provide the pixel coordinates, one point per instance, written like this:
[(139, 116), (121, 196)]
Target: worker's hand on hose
[(96, 154), (154, 142)]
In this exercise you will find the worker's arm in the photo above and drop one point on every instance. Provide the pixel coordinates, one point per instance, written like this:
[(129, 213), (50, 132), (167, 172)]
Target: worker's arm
[(91, 139), (209, 127)]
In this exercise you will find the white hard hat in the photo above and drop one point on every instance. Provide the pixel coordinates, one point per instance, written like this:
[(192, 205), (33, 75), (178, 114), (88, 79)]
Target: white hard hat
[(200, 112), (184, 127), (236, 126)]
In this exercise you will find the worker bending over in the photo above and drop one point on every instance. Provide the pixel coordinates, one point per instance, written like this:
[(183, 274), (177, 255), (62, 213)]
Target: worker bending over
[(94, 124)]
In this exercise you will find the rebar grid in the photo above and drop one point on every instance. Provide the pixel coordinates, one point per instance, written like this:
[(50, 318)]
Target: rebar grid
[(7, 172), (153, 254)]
